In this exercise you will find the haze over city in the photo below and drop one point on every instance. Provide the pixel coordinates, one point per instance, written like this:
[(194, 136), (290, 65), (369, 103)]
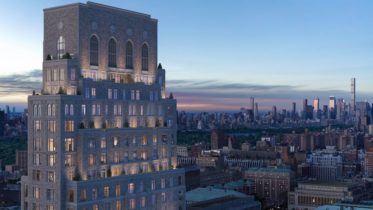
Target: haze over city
[(218, 53)]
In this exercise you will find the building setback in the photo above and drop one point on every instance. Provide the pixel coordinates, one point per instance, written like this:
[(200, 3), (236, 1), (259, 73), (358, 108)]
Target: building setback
[(101, 134)]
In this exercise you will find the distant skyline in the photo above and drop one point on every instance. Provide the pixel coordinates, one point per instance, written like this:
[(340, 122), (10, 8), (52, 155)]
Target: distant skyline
[(218, 54)]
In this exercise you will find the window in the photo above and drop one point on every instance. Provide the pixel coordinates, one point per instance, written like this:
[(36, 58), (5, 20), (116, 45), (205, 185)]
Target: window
[(72, 74), (60, 47), (124, 94), (144, 57), (153, 184), (137, 95), (83, 195), (131, 188), (129, 55), (62, 74), (52, 126), (50, 207), (132, 95), (93, 51), (36, 175), (103, 143), (163, 197), (115, 93), (93, 109), (37, 160), (117, 190), (37, 125), (49, 112), (37, 143), (94, 194), (109, 93), (69, 145), (68, 160), (106, 191), (112, 53), (70, 196), (93, 92), (116, 141), (53, 110), (143, 202), (51, 145), (95, 207), (66, 109), (91, 160), (116, 157), (69, 125), (117, 205), (71, 110), (132, 203), (103, 158), (163, 183), (86, 93), (50, 194), (84, 109), (51, 160), (36, 192), (51, 176)]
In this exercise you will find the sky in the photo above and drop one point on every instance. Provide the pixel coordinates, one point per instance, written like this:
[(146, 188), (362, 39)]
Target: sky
[(219, 53)]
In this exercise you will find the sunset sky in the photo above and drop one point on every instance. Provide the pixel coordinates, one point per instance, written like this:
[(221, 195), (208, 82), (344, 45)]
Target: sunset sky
[(219, 53)]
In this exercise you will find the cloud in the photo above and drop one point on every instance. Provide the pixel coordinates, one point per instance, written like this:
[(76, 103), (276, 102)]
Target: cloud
[(15, 84), (215, 95)]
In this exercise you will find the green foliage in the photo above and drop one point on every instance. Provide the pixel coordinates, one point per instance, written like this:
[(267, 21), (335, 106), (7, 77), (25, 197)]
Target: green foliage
[(49, 57), (66, 56), (8, 146), (61, 91)]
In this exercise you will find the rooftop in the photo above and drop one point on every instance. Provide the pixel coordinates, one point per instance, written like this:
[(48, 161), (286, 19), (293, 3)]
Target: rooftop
[(204, 194)]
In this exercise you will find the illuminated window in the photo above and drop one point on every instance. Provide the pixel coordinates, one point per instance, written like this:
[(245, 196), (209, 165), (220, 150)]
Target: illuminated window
[(36, 192), (37, 160), (116, 157), (143, 202), (51, 160), (115, 141), (69, 125), (95, 207), (117, 205), (51, 126), (137, 94), (163, 197), (69, 144), (112, 53), (37, 124), (117, 190), (60, 47), (131, 188), (83, 195), (132, 203), (91, 160), (51, 145), (93, 51), (49, 112), (62, 74), (144, 57), (103, 143)]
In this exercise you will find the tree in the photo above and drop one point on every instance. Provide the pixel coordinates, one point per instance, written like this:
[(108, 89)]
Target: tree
[(66, 56)]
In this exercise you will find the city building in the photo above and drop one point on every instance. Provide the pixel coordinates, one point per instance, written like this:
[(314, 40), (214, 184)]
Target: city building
[(21, 160), (214, 199), (311, 194), (271, 184), (101, 134), (325, 166)]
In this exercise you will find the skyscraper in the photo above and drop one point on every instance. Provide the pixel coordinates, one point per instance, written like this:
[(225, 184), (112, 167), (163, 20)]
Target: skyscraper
[(353, 94), (332, 107), (102, 134), (252, 103), (316, 108)]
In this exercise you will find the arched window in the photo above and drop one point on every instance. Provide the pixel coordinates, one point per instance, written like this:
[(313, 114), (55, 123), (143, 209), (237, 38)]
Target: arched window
[(112, 53), (39, 110), (53, 110), (66, 109), (71, 109), (144, 57), (60, 47), (49, 110), (93, 51), (129, 55)]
